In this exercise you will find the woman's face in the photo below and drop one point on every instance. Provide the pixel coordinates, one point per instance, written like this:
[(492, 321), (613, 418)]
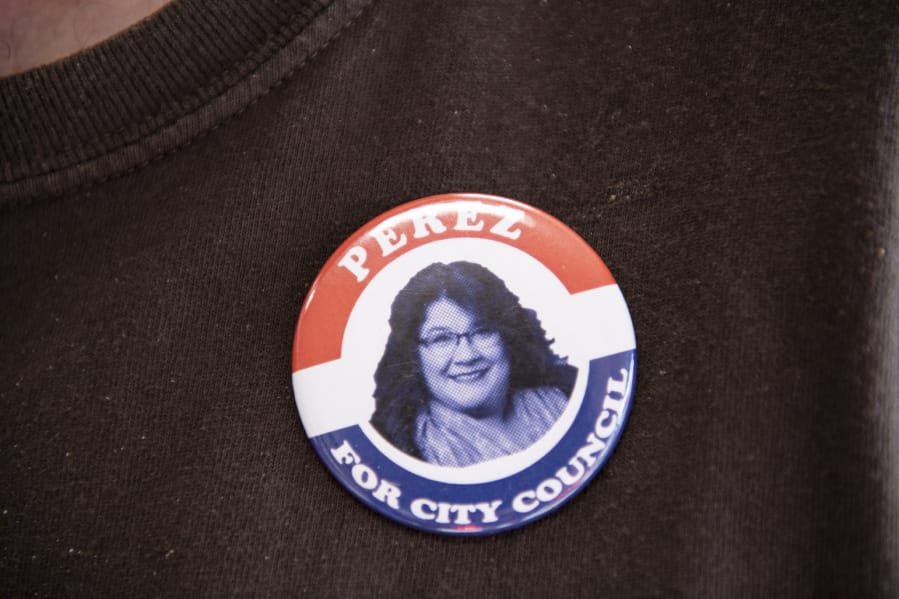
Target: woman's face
[(464, 362)]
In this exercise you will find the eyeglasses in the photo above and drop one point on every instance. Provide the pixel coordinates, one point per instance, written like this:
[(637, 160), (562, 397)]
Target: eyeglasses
[(444, 342)]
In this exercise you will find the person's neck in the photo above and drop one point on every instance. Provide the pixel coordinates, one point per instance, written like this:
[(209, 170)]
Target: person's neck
[(494, 417), (34, 34)]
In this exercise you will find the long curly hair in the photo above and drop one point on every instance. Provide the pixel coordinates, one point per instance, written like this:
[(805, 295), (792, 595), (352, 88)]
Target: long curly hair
[(400, 390)]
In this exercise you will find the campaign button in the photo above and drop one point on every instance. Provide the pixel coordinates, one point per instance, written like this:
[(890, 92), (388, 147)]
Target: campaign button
[(464, 364)]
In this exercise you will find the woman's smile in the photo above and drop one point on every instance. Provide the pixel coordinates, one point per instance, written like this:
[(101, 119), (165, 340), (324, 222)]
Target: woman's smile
[(467, 377)]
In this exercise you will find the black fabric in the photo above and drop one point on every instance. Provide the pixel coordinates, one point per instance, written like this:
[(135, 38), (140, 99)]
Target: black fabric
[(167, 201)]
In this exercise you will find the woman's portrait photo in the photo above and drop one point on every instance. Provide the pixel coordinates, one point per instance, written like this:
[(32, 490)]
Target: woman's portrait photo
[(468, 373)]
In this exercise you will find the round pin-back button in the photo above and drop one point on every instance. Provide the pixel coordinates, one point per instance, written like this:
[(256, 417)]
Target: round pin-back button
[(464, 364)]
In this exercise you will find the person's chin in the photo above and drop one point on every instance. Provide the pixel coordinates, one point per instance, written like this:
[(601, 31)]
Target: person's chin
[(474, 402)]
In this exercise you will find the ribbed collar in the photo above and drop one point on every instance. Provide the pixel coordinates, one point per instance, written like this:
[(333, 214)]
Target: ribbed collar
[(67, 114)]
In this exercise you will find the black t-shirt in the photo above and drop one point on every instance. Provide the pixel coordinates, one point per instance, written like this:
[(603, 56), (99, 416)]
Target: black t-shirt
[(167, 197)]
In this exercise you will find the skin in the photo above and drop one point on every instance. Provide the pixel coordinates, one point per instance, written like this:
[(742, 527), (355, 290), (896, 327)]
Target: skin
[(34, 33), (467, 379)]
